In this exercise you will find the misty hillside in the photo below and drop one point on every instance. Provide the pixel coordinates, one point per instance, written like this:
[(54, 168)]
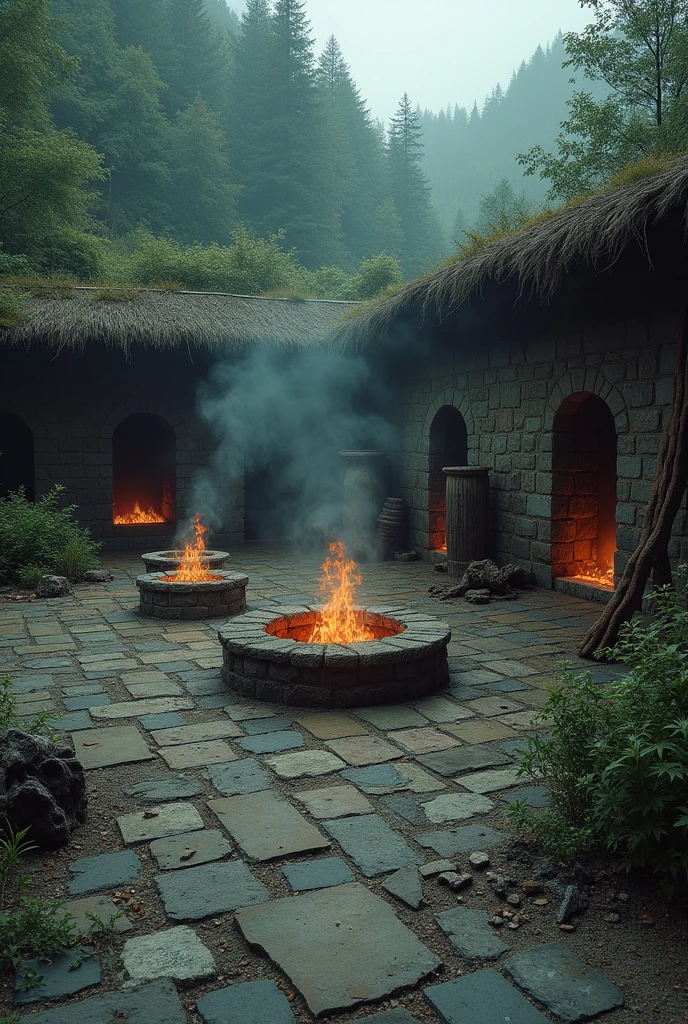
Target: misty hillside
[(468, 152)]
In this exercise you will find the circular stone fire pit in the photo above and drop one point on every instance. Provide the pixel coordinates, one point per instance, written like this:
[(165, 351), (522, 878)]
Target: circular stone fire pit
[(267, 656), (163, 598), (169, 561)]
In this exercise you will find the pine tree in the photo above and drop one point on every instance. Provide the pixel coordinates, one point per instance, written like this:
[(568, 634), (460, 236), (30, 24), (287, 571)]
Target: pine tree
[(205, 198), (199, 57), (410, 191), (145, 24)]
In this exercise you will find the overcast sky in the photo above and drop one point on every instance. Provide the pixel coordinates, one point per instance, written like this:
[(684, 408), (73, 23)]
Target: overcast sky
[(439, 51)]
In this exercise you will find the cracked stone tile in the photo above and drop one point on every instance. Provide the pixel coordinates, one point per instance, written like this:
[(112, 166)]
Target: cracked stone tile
[(456, 807), (267, 826), (423, 741), (334, 802), (176, 953), (364, 750), (165, 820), (490, 782), (197, 755)]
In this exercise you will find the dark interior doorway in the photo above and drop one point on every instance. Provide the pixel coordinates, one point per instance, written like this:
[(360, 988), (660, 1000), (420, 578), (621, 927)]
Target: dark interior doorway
[(584, 490), (16, 456), (143, 471), (448, 447)]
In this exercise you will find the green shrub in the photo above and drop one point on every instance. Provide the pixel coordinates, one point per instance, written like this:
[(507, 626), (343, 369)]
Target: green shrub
[(40, 725), (13, 309), (374, 277), (41, 535), (617, 758), (70, 252)]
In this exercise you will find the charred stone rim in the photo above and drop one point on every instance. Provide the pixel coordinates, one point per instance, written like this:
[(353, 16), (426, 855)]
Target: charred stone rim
[(156, 581), (167, 561), (405, 666)]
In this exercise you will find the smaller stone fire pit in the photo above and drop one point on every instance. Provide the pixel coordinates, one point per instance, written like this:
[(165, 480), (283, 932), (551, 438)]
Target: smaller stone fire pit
[(163, 597), (268, 656), (169, 561)]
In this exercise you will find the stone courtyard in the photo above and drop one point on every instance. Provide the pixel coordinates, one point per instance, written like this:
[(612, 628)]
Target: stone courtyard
[(274, 864)]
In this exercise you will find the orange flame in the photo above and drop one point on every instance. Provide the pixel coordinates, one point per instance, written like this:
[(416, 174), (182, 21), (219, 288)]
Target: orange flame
[(191, 568), (339, 622), (593, 574), (138, 516)]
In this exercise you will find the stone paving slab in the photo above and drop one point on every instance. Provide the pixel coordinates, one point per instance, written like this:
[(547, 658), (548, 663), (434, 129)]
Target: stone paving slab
[(393, 716), (198, 892), (89, 874), (531, 796), (266, 826), (364, 750), (456, 807), (165, 820), (406, 885), (101, 748), (246, 712), (439, 710), (304, 763), (480, 732), (197, 755), (73, 721), (559, 979), (253, 1002), (423, 741), (447, 842), (161, 788), (331, 726), (62, 975), (494, 706), (256, 726), (463, 759), (418, 780), (163, 688), (93, 700), (372, 845), (134, 708), (317, 874), (239, 777), (481, 998), (470, 932), (188, 850), (175, 953), (199, 733), (405, 807), (334, 802), (491, 781), (271, 742), (166, 720), (98, 907), (377, 779), (340, 947)]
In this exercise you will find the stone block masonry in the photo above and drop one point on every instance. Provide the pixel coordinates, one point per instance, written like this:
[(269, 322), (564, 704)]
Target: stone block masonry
[(542, 501)]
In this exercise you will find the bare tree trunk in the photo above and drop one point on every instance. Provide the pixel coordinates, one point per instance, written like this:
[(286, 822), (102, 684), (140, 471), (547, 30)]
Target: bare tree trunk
[(665, 500)]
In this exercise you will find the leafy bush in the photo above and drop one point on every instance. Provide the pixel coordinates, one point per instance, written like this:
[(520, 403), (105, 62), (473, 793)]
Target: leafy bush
[(40, 535), (375, 276), (30, 927), (617, 758), (13, 311), (40, 725), (71, 252)]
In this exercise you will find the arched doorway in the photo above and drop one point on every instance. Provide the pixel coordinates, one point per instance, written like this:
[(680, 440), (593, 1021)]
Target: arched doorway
[(16, 456), (143, 471), (584, 490), (448, 447)]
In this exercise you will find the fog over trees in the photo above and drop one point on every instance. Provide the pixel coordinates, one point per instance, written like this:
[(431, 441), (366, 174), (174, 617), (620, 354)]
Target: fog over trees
[(132, 132)]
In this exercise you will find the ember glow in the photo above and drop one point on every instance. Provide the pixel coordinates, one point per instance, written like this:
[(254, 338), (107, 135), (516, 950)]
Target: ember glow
[(191, 569), (593, 574), (137, 516), (340, 622)]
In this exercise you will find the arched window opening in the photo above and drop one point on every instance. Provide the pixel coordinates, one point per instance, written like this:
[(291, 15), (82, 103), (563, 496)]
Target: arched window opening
[(16, 456), (143, 477), (448, 447), (584, 490)]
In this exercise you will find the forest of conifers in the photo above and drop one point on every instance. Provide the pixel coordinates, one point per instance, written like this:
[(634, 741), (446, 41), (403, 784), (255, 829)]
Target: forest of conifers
[(172, 141)]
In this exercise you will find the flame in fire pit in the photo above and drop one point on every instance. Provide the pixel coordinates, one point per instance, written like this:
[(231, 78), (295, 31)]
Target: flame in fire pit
[(339, 622), (136, 516), (191, 569), (593, 574)]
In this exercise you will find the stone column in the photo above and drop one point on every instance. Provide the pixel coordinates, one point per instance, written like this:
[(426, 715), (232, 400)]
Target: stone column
[(364, 493), (468, 498)]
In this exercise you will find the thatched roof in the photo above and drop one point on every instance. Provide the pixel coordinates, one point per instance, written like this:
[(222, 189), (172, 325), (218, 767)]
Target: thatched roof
[(164, 318), (592, 234)]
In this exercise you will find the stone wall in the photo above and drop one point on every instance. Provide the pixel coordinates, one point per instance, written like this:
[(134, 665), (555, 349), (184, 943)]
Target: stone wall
[(509, 393), (74, 401)]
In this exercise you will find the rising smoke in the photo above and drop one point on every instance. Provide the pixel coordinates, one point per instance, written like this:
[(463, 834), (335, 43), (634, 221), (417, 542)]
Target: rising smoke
[(279, 417)]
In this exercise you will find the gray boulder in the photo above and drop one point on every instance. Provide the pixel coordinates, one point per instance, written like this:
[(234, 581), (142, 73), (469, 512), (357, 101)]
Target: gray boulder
[(53, 586), (98, 576), (42, 787)]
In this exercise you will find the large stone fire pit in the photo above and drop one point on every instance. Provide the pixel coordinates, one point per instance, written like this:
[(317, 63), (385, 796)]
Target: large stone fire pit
[(267, 656), (169, 561), (162, 597)]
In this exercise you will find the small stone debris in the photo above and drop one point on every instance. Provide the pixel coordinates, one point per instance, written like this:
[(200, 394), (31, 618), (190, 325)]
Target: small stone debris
[(612, 918), (574, 902), (513, 924), (479, 860), (496, 921), (513, 899), (542, 902), (545, 870), (622, 897), (436, 867), (97, 576), (567, 927), (532, 888), (454, 880)]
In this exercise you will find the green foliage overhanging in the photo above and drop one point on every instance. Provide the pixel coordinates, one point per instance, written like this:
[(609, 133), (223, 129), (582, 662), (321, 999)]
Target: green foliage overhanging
[(616, 760)]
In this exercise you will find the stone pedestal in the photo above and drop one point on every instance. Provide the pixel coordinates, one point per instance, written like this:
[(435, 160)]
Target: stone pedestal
[(468, 499), (364, 491)]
